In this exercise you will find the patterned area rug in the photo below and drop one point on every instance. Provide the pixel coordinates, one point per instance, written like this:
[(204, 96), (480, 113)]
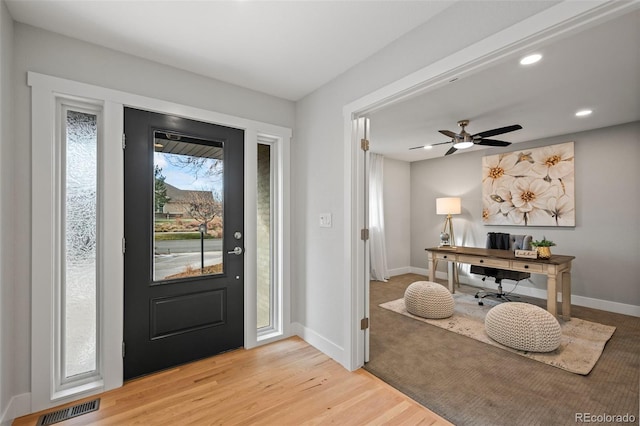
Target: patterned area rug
[(580, 347)]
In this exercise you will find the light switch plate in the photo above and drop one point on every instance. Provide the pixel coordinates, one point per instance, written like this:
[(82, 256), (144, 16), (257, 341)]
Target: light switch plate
[(325, 220)]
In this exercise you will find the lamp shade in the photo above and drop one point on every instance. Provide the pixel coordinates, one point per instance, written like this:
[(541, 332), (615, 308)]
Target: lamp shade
[(449, 205)]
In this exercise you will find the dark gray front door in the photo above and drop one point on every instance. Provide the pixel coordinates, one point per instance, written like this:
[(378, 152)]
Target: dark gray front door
[(184, 236)]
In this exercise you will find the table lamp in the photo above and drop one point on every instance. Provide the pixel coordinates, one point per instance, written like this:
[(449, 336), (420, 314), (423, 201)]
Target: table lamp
[(448, 206)]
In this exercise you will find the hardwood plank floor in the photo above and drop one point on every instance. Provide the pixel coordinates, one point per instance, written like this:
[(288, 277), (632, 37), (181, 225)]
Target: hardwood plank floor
[(284, 383)]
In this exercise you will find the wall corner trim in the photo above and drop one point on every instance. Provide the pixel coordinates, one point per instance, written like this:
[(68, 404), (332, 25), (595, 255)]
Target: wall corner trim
[(321, 343)]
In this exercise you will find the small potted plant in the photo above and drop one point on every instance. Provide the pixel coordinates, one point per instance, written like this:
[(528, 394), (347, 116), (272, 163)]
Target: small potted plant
[(543, 247)]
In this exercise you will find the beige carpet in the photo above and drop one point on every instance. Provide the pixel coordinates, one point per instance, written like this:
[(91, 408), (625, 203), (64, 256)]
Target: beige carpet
[(471, 383), (580, 347)]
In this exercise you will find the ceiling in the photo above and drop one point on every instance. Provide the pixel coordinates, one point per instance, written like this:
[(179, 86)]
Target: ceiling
[(598, 68), (301, 45), (286, 49)]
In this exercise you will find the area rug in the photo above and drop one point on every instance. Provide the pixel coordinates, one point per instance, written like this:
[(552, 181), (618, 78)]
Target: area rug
[(581, 344)]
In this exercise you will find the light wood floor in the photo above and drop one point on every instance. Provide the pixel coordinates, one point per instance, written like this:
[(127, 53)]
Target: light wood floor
[(283, 383)]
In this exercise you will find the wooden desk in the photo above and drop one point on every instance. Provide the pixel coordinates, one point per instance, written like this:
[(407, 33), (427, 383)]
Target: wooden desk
[(557, 269)]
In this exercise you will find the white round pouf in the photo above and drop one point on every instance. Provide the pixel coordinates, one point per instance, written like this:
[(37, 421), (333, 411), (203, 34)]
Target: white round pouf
[(428, 300), (523, 326)]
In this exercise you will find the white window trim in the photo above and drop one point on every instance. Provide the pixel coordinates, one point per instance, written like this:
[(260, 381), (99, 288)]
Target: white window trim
[(278, 292), (44, 92)]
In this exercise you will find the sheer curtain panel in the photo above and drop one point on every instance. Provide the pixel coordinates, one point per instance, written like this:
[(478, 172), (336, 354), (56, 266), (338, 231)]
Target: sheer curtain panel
[(378, 248)]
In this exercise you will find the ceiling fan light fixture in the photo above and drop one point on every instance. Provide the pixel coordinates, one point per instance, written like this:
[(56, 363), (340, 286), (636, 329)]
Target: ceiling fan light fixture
[(462, 144), (530, 59), (466, 141)]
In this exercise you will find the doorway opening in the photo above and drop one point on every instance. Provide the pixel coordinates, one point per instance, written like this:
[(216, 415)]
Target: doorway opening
[(555, 23)]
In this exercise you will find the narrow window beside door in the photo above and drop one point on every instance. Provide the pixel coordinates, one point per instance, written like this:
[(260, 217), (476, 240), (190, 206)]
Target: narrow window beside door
[(264, 237), (78, 354)]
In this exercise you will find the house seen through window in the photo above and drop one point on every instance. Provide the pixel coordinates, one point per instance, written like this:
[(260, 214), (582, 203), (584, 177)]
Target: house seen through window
[(188, 206)]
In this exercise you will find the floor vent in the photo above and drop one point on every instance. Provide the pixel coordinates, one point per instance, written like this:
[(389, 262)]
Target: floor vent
[(68, 413)]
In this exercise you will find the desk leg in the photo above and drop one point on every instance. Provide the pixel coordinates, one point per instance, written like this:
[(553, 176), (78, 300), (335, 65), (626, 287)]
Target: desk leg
[(566, 295), (451, 272), (432, 267), (456, 275), (552, 295)]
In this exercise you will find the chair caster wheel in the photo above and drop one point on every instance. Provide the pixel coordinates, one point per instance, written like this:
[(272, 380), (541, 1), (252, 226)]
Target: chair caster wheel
[(476, 296), (480, 303)]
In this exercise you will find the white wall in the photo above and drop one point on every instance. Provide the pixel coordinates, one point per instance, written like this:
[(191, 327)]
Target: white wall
[(318, 160), (48, 53), (606, 238), (7, 388), (397, 215)]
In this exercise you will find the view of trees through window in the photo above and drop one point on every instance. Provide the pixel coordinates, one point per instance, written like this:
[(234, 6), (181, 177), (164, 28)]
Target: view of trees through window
[(188, 207)]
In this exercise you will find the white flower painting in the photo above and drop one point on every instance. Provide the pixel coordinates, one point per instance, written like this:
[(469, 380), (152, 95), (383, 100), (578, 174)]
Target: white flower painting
[(533, 187)]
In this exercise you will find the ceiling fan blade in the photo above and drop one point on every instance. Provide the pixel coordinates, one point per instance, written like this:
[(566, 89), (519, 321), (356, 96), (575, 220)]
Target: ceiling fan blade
[(498, 131), (451, 151), (492, 142), (448, 133)]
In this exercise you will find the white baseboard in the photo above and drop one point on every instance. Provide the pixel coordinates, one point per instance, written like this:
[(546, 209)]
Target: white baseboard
[(419, 271), (19, 405), (606, 305), (399, 271), (321, 343), (587, 302), (422, 271)]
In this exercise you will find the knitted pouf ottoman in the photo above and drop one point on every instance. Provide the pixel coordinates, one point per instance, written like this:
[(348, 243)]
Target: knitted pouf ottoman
[(523, 326), (428, 300)]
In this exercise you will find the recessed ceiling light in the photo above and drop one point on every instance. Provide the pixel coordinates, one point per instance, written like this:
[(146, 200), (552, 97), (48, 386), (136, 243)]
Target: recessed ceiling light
[(531, 59), (583, 113), (427, 147)]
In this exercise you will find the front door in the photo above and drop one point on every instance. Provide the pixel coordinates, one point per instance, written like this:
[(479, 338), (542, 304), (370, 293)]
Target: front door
[(184, 234)]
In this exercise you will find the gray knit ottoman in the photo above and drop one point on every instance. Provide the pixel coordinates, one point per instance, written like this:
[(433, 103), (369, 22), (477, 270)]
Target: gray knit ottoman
[(428, 300), (523, 326)]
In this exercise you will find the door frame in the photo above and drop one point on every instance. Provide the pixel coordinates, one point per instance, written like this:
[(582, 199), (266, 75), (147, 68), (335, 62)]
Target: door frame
[(44, 91), (557, 21)]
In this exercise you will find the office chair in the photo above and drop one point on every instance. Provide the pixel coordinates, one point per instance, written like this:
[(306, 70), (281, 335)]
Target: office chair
[(502, 241)]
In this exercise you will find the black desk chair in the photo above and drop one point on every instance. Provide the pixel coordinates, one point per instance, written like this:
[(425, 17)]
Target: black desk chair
[(502, 241)]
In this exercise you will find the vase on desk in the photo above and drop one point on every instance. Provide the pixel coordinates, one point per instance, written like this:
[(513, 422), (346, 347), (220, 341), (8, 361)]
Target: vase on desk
[(544, 252)]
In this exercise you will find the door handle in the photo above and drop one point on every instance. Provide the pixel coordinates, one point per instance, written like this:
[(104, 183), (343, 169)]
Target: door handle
[(237, 251)]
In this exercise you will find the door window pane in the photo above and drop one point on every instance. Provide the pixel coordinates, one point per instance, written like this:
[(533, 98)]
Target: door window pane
[(188, 206), (80, 224)]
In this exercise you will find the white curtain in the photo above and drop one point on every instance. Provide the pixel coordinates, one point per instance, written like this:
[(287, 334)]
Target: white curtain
[(378, 250)]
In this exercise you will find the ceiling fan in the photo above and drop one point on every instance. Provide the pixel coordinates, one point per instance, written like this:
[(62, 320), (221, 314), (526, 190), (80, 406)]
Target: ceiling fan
[(464, 140)]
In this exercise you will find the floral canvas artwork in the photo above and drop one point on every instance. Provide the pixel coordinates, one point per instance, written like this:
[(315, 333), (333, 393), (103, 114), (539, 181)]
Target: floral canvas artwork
[(532, 187)]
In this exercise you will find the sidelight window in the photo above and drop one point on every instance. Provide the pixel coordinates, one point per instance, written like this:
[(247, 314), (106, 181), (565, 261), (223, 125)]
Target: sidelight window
[(264, 240), (269, 296), (77, 343)]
